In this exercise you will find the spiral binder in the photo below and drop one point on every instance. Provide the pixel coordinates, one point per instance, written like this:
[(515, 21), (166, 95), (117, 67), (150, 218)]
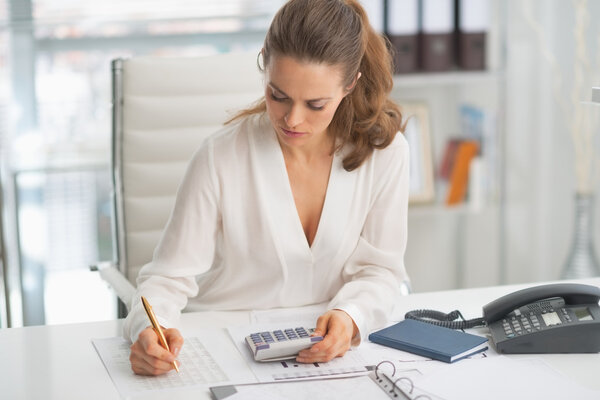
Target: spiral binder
[(397, 386)]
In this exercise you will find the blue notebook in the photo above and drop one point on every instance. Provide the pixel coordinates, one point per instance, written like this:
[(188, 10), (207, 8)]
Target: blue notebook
[(429, 340)]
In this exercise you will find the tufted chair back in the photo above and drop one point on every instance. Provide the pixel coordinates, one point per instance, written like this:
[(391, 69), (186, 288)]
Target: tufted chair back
[(163, 108)]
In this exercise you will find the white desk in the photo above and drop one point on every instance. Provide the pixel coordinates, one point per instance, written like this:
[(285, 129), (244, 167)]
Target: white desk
[(42, 362)]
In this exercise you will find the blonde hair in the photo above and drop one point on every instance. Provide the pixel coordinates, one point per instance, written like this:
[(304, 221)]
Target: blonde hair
[(338, 33)]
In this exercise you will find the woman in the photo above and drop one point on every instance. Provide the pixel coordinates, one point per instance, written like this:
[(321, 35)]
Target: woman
[(299, 200)]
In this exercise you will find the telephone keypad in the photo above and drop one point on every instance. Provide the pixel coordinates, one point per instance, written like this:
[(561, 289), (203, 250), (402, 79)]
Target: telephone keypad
[(517, 326), (535, 322), (523, 322), (507, 329)]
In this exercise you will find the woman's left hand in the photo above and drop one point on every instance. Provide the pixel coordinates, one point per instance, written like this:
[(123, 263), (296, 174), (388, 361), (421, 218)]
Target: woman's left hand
[(337, 329)]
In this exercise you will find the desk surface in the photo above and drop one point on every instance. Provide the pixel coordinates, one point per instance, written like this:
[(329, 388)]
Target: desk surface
[(60, 362)]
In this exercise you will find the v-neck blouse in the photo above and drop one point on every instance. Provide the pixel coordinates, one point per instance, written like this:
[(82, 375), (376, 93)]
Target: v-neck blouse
[(235, 241)]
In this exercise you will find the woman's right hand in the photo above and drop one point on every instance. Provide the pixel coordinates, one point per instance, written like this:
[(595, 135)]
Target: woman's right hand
[(148, 357)]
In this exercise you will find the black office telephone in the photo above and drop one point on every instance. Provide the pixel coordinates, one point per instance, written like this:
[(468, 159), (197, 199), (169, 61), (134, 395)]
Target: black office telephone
[(556, 318)]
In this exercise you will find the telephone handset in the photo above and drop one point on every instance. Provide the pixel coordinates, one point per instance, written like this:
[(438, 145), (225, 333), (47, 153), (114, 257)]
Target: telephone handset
[(555, 318)]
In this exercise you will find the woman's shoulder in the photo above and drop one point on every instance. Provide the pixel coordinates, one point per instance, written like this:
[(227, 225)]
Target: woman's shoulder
[(397, 149), (229, 144), (238, 130), (399, 141), (231, 141)]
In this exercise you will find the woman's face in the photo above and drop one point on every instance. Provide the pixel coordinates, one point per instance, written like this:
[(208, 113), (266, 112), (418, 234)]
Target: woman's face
[(301, 99)]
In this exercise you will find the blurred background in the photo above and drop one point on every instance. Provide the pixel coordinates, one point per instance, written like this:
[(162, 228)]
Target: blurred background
[(510, 80)]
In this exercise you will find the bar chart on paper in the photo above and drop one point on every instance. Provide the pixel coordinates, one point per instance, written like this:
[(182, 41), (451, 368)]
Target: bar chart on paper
[(200, 369), (286, 370)]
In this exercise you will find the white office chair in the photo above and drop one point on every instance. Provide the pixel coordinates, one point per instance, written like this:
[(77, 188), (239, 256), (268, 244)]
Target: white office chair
[(163, 108)]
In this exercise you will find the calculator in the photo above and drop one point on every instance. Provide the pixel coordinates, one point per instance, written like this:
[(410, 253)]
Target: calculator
[(281, 344)]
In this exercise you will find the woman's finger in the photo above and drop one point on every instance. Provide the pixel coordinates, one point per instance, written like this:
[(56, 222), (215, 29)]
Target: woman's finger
[(145, 364)]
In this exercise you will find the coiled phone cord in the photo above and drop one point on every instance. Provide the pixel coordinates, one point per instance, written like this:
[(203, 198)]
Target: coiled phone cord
[(446, 320)]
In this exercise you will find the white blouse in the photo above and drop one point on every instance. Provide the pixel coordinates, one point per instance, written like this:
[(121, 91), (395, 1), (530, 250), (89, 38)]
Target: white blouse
[(234, 240)]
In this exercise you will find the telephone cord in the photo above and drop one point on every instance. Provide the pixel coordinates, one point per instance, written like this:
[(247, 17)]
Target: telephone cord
[(446, 320)]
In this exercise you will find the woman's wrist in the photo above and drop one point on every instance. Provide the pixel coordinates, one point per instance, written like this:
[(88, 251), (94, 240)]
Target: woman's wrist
[(355, 330)]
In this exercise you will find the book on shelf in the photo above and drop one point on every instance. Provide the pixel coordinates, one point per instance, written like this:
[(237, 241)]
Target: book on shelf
[(445, 169), (468, 166), (403, 32), (437, 35), (466, 151), (434, 35), (473, 25), (480, 124), (428, 340)]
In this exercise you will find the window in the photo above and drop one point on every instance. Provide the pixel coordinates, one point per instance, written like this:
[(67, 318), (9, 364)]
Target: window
[(56, 138)]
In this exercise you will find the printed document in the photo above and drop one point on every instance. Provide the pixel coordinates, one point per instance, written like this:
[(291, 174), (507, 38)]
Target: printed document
[(205, 362)]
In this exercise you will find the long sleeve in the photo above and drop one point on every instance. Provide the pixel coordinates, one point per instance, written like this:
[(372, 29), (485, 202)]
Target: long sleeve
[(235, 242), (374, 271), (186, 248)]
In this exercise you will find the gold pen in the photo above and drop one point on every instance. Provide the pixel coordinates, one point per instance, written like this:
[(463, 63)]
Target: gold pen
[(156, 327)]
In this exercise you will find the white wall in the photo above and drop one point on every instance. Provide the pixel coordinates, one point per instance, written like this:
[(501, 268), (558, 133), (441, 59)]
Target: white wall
[(539, 152), (531, 242)]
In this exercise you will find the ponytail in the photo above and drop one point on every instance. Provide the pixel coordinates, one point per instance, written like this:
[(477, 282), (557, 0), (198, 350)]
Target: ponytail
[(375, 119)]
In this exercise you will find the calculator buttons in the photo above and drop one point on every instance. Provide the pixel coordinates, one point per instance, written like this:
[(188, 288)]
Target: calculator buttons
[(291, 334), (266, 336), (301, 332)]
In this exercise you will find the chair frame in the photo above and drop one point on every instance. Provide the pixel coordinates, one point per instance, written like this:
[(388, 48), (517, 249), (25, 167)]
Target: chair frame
[(5, 301), (118, 218), (119, 249)]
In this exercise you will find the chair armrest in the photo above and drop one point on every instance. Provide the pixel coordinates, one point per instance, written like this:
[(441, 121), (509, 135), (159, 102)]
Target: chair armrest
[(405, 287), (116, 280)]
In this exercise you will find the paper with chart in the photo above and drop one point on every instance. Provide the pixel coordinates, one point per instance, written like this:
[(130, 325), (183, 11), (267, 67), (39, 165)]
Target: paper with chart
[(351, 364), (199, 368)]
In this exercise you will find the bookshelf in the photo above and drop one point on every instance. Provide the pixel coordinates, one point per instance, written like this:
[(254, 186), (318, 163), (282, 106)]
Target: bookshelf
[(444, 95), (462, 245)]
